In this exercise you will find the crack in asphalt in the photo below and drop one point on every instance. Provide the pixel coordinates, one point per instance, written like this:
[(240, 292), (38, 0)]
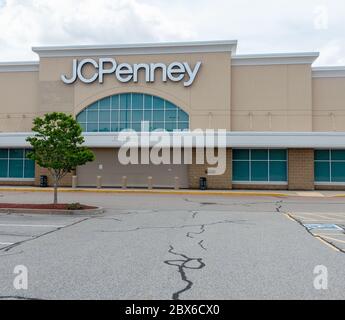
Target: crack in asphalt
[(174, 227), (182, 265), (200, 243), (279, 206), (202, 230), (14, 245), (194, 214)]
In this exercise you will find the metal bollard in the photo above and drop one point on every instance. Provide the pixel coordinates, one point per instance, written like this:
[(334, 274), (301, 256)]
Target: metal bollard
[(177, 183), (124, 182), (74, 182), (149, 183), (99, 182)]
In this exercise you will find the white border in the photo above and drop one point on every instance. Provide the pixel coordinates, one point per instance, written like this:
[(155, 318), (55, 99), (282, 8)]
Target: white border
[(22, 66), (238, 139), (277, 183), (139, 48), (274, 58), (329, 72)]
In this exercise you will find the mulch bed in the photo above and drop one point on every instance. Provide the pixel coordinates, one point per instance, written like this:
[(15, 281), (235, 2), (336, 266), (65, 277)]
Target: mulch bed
[(60, 206)]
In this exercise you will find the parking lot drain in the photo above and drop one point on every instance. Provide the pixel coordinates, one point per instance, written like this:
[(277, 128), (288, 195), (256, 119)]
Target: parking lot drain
[(322, 226)]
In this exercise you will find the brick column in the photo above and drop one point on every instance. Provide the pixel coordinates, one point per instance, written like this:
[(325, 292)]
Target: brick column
[(301, 169), (64, 182), (195, 171)]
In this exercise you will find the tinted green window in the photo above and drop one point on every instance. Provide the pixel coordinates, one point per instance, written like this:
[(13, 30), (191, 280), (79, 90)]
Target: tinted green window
[(93, 107), (158, 125), (14, 164), (259, 154), (123, 101), (104, 127), (278, 171), (81, 117), (3, 168), (322, 171), (183, 125), (137, 101), (261, 165), (170, 126), (240, 171), (338, 154), (170, 115), (29, 169), (148, 115), (148, 101), (92, 116), (321, 154), (16, 169), (182, 116), (104, 104), (115, 102), (3, 153), (240, 154), (104, 116), (158, 115), (329, 165), (338, 171), (92, 127), (158, 103), (136, 126), (133, 109), (16, 153), (277, 154), (259, 171), (137, 116)]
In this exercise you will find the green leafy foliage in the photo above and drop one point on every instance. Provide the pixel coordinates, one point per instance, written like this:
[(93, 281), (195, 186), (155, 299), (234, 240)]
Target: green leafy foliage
[(57, 145)]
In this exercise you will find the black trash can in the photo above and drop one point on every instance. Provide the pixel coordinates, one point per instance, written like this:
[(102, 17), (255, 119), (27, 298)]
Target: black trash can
[(203, 183), (43, 181)]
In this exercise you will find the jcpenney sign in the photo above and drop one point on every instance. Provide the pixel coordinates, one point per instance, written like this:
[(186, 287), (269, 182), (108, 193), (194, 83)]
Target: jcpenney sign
[(125, 72)]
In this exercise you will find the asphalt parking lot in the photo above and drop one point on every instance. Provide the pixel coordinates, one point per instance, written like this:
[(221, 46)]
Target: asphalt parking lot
[(174, 247)]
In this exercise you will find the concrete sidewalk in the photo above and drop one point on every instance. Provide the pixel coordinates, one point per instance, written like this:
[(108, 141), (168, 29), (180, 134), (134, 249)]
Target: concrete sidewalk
[(248, 193)]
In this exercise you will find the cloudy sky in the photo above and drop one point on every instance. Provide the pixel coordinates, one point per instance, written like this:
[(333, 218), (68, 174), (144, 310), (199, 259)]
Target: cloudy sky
[(260, 26)]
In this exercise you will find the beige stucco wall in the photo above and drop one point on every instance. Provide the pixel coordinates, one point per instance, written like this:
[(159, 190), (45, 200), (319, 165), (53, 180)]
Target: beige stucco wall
[(271, 98), (329, 104), (239, 98), (19, 100), (207, 100)]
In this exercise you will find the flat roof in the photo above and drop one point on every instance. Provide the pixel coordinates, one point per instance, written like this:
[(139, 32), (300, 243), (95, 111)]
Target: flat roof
[(329, 72), (274, 58), (19, 66), (138, 48)]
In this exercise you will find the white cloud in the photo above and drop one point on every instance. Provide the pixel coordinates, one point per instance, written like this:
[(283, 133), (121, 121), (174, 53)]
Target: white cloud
[(260, 26), (24, 23)]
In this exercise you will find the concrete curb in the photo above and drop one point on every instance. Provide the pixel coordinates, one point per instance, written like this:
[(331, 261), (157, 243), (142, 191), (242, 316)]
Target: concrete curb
[(153, 191), (53, 211)]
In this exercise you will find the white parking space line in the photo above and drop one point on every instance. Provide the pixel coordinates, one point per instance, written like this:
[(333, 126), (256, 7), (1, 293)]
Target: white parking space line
[(334, 239), (32, 225), (6, 243)]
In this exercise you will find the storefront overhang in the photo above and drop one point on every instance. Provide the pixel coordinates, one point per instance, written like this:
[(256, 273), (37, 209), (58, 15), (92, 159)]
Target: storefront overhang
[(313, 140)]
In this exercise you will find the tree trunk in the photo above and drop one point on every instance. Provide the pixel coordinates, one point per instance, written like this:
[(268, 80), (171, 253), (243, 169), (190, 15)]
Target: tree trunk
[(55, 190)]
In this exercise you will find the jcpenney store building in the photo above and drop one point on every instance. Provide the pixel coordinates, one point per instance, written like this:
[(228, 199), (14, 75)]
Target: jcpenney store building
[(285, 120)]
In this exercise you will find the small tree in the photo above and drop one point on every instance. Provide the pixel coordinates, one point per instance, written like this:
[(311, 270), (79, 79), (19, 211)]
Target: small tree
[(57, 146)]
